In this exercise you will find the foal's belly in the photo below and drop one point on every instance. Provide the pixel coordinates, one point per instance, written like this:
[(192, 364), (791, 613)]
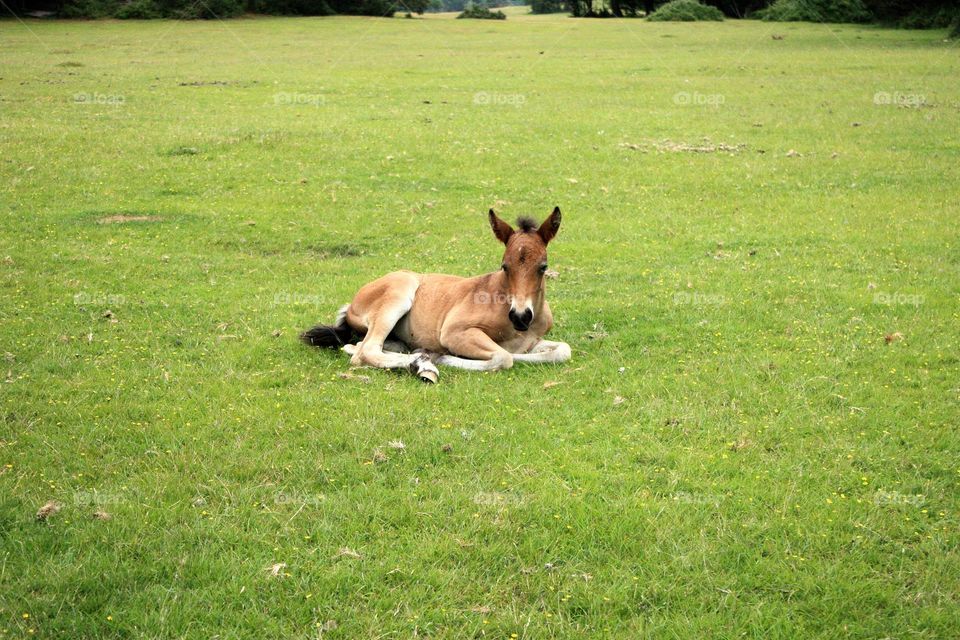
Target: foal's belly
[(416, 339), (436, 295)]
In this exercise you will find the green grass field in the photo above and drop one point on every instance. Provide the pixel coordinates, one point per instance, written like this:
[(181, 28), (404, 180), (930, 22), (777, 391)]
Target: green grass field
[(759, 276)]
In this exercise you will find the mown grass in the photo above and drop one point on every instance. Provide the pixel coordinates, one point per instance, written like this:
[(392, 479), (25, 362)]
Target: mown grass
[(757, 436)]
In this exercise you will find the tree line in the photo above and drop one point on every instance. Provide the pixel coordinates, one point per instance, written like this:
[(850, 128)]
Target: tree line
[(906, 13), (210, 9)]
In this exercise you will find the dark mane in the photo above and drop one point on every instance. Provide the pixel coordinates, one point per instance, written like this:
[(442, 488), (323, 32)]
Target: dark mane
[(526, 224)]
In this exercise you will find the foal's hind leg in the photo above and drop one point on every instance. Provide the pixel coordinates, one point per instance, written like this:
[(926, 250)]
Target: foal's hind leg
[(379, 307), (388, 345)]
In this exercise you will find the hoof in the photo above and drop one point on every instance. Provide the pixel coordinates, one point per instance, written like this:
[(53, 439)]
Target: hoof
[(424, 369)]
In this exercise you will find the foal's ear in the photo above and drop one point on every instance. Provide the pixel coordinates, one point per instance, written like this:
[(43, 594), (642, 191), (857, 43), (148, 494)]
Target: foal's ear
[(501, 229), (550, 226)]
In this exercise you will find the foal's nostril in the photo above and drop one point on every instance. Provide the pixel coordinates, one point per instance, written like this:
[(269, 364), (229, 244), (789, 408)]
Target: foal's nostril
[(521, 321)]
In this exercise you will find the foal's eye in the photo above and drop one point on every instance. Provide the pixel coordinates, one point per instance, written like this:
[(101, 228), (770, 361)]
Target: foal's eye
[(543, 268), (504, 267)]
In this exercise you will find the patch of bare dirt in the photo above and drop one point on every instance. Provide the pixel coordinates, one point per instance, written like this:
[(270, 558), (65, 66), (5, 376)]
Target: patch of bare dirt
[(123, 218), (671, 146)]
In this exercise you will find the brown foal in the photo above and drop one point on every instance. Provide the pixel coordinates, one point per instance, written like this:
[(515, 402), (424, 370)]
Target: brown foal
[(484, 323)]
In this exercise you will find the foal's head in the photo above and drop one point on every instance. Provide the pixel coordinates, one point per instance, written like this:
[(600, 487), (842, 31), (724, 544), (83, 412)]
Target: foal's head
[(525, 263)]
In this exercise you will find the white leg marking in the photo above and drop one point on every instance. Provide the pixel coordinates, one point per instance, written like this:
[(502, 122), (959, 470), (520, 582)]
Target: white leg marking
[(393, 360), (388, 359), (468, 364), (545, 351), (424, 368), (390, 345)]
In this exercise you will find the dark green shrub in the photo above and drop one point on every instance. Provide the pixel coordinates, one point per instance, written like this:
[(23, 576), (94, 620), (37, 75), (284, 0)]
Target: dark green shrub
[(914, 14), (816, 11), (291, 7), (208, 9), (737, 8), (88, 9), (138, 10), (478, 12), (930, 18), (685, 11), (384, 8)]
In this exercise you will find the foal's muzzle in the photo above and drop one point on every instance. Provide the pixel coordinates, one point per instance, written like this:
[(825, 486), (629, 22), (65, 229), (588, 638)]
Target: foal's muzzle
[(521, 321)]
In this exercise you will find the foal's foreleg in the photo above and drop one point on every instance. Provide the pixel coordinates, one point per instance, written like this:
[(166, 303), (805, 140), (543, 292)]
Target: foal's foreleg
[(545, 352), (474, 350)]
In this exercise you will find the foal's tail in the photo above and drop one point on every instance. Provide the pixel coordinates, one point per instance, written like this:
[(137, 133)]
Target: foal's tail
[(331, 336)]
